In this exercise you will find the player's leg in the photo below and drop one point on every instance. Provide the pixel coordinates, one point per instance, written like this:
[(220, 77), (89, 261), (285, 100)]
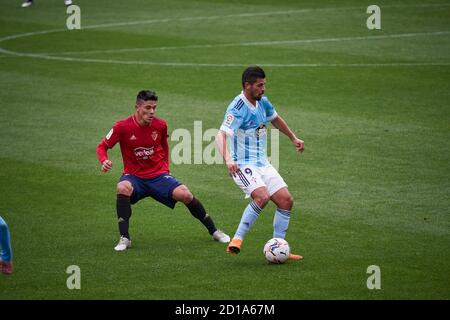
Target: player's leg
[(181, 193), (260, 198), (284, 201), (280, 195), (127, 194), (249, 180), (5, 248), (123, 206)]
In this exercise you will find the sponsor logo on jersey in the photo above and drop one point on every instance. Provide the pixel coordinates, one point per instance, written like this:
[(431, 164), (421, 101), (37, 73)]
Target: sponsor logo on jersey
[(261, 130), (142, 153)]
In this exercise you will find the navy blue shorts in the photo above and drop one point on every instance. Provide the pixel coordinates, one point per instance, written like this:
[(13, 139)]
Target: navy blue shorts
[(159, 188)]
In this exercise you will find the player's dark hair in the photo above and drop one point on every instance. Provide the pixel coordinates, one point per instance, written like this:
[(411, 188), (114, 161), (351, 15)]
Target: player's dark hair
[(146, 95), (251, 74)]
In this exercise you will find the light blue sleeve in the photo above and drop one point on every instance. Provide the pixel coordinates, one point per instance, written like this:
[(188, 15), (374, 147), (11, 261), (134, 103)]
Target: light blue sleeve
[(232, 120), (271, 113)]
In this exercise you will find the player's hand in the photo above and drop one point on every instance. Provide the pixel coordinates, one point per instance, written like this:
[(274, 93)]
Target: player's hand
[(299, 144), (106, 165), (232, 167)]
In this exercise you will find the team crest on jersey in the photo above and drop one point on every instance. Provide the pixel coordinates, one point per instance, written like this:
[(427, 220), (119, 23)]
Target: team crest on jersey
[(133, 137), (229, 119), (154, 135)]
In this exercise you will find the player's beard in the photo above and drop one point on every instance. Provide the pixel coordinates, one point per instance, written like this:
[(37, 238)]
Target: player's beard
[(258, 97)]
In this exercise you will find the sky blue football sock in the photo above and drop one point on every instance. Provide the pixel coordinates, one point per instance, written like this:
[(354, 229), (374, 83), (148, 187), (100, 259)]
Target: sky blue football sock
[(281, 223), (5, 242), (251, 213)]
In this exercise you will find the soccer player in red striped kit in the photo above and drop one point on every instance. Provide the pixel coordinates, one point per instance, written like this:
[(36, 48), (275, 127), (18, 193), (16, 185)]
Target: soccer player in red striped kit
[(145, 153)]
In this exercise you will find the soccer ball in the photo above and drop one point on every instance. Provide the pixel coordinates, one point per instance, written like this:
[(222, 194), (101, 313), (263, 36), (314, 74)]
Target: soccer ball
[(277, 250)]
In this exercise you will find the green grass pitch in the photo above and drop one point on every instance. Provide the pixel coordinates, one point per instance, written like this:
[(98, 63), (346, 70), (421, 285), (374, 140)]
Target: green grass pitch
[(372, 187)]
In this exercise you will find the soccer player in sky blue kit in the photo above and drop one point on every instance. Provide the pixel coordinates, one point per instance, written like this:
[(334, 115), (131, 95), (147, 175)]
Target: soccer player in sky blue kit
[(244, 125), (5, 248)]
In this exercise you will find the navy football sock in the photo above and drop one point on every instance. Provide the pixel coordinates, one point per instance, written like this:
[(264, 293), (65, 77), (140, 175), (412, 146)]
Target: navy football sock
[(198, 211), (123, 207)]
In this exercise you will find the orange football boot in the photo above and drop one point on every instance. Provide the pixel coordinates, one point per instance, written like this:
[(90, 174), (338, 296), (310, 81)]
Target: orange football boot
[(234, 247), (295, 256)]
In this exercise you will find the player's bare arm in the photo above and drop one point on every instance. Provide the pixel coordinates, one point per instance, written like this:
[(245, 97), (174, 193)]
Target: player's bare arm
[(281, 125), (221, 142)]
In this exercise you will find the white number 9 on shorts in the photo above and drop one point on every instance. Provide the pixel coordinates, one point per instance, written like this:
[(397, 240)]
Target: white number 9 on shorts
[(250, 177)]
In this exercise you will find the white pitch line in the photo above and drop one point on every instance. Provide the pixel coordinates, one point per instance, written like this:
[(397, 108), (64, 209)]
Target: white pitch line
[(254, 14), (132, 23), (52, 57), (29, 34), (257, 43), (222, 65)]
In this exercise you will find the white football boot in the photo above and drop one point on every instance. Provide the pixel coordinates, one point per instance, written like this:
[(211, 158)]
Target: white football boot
[(220, 236), (26, 4), (123, 244), (67, 2)]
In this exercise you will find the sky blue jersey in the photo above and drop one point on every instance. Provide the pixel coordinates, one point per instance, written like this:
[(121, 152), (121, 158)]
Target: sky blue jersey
[(245, 124)]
